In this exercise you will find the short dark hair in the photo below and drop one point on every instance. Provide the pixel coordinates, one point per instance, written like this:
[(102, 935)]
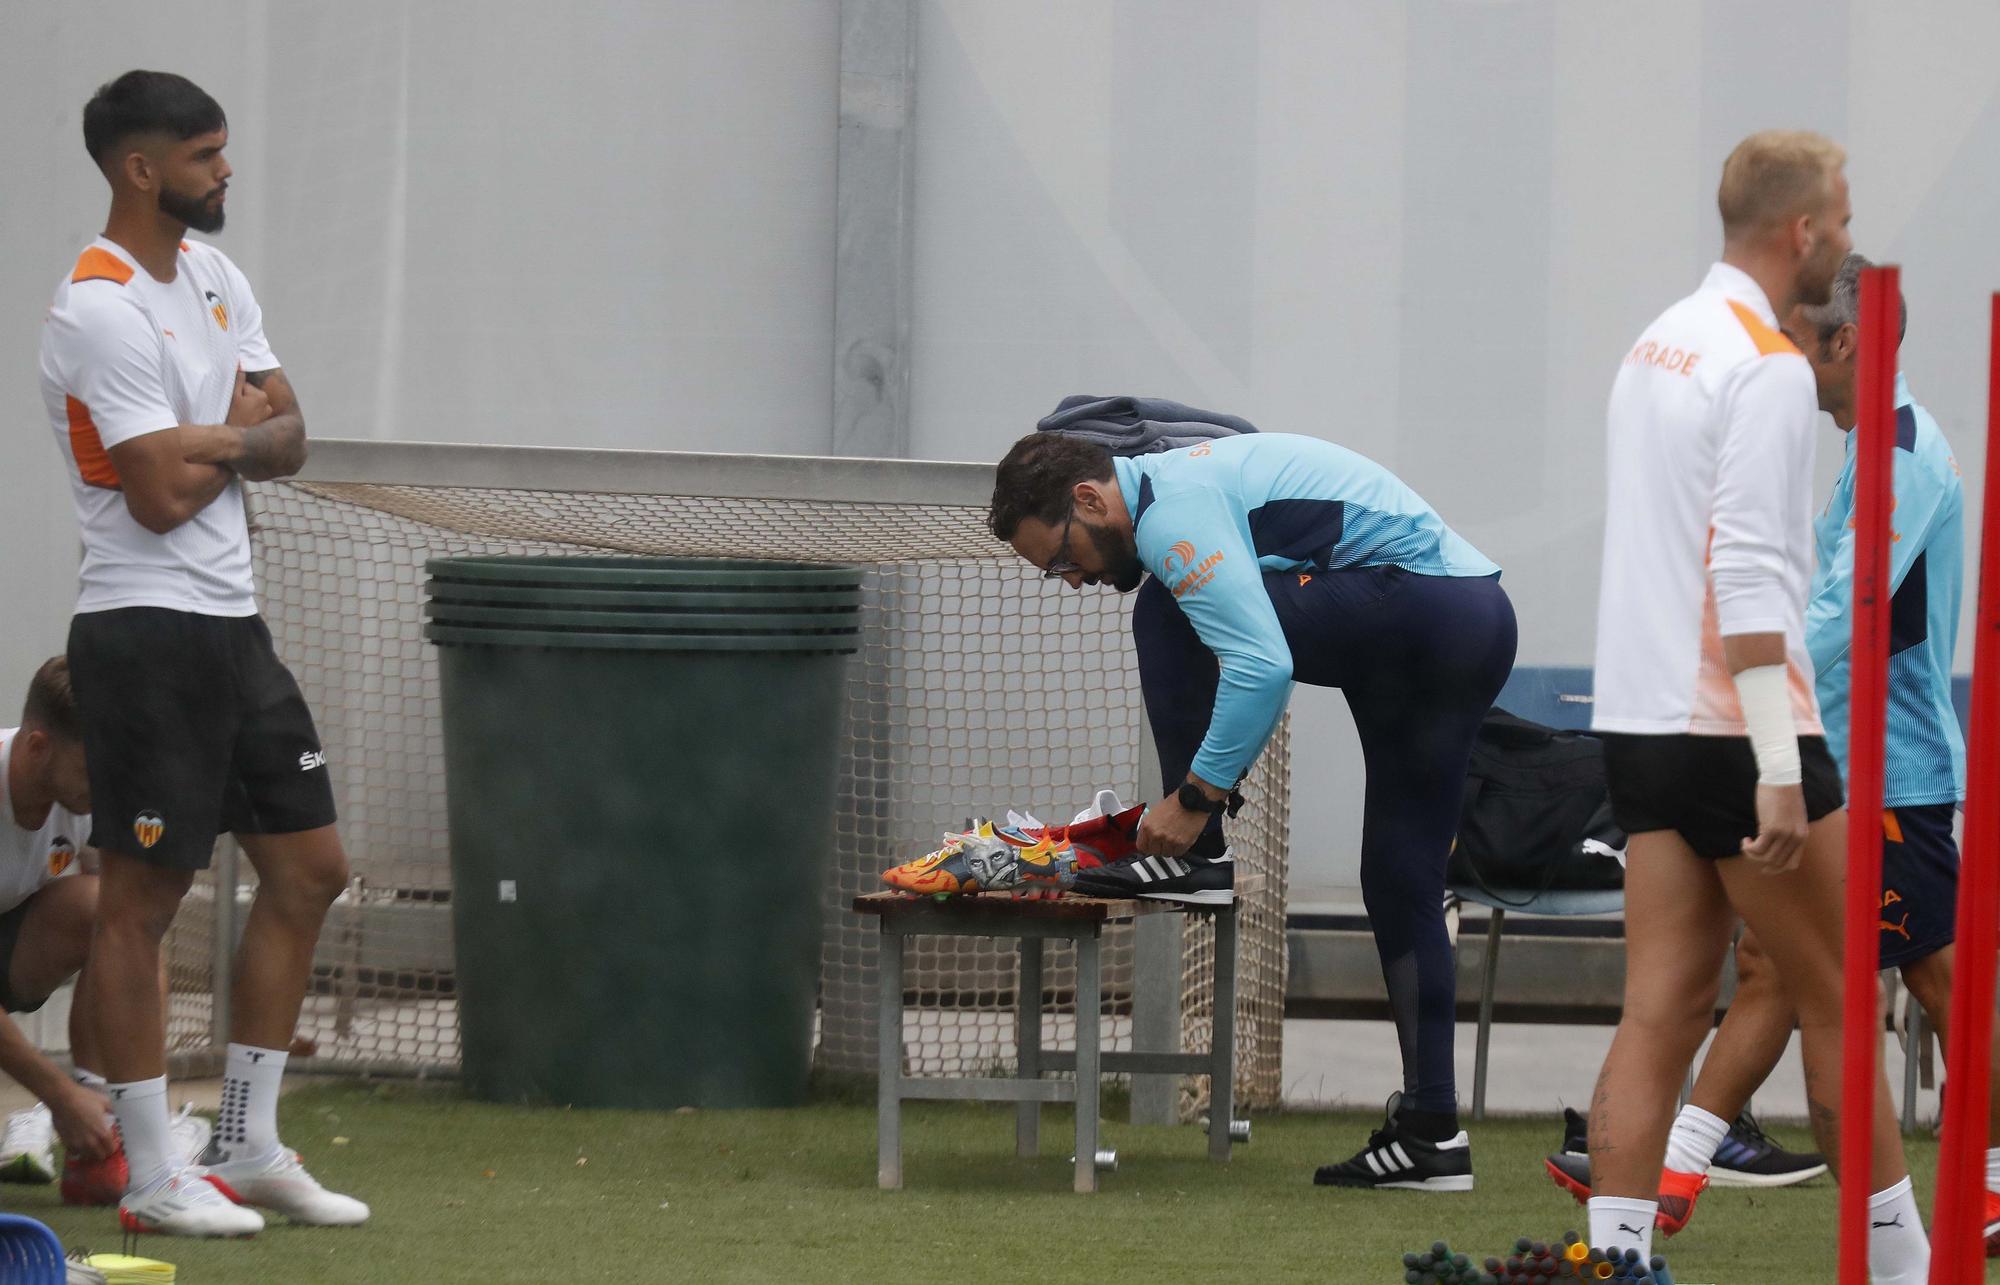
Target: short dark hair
[(51, 702), (147, 102), (1843, 308), (1037, 477)]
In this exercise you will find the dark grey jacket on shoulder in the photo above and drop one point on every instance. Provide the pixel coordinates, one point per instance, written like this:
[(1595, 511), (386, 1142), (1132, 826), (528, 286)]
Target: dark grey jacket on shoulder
[(1139, 425)]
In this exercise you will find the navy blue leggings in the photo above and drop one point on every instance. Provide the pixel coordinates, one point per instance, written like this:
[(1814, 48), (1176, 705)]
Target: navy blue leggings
[(1420, 660)]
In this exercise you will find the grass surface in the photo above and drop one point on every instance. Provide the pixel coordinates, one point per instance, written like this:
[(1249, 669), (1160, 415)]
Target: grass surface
[(465, 1191)]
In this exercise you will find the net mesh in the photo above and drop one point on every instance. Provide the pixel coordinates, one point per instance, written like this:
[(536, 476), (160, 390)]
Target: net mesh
[(978, 687)]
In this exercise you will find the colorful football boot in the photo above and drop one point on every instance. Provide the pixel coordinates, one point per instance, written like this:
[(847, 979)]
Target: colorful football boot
[(983, 860), (1098, 840)]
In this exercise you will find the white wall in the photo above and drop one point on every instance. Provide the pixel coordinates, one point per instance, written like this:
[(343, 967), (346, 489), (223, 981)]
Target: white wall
[(588, 224), (1425, 228)]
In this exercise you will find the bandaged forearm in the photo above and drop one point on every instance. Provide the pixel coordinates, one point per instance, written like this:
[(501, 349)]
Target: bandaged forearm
[(1766, 695)]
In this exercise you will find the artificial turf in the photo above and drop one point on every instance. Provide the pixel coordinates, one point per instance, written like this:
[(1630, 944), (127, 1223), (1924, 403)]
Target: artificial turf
[(467, 1191)]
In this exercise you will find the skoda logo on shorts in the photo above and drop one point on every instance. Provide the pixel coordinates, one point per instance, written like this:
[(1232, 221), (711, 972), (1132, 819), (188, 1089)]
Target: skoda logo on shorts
[(147, 827)]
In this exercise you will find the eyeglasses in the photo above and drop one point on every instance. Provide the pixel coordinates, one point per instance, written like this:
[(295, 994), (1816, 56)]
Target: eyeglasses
[(1061, 566)]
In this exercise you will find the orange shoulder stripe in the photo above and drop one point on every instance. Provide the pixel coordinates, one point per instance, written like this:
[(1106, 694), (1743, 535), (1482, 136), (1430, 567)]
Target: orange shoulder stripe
[(99, 264), (1769, 342), (92, 460)]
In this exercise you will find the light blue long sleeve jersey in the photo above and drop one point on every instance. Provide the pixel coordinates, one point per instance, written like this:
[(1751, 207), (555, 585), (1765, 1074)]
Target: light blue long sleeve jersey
[(1212, 519), (1926, 751)]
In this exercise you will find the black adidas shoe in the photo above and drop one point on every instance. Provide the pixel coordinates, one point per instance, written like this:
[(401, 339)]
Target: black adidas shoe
[(1397, 1160), (1748, 1158), (1205, 881)]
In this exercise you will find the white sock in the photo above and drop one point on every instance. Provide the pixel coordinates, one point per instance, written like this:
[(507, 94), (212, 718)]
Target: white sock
[(1696, 1135), (1898, 1251), (92, 1080), (1612, 1219), (248, 1126), (141, 1108), (1993, 1169)]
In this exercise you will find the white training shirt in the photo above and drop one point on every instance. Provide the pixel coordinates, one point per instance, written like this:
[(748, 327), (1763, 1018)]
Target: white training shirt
[(124, 355), (31, 858), (1708, 523)]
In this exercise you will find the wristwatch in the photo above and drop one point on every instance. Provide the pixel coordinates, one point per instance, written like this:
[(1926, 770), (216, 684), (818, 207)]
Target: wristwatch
[(1194, 799)]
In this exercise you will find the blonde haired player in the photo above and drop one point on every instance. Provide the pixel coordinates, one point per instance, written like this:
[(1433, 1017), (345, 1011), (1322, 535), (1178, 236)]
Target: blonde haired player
[(1714, 753)]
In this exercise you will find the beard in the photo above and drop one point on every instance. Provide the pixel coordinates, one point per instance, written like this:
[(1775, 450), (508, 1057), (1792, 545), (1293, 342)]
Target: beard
[(1120, 554), (193, 211), (1816, 281)]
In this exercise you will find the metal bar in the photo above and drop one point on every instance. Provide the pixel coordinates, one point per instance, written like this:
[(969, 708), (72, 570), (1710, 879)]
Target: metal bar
[(1861, 1029), (1495, 918), (1156, 1011), (1915, 1032), (1028, 1044), (890, 1085), (1222, 1035), (873, 243), (228, 856), (924, 924), (1956, 1224), (968, 1088), (1136, 1063), (691, 473), (1156, 975), (352, 937), (1089, 1029)]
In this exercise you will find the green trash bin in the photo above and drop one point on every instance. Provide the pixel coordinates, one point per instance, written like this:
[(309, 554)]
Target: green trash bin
[(640, 758)]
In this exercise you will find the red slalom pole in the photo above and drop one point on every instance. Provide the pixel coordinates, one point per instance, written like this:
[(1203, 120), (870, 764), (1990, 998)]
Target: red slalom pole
[(1861, 1029), (1957, 1253)]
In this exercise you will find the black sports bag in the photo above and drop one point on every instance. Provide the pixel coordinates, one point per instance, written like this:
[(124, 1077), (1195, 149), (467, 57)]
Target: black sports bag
[(1535, 816)]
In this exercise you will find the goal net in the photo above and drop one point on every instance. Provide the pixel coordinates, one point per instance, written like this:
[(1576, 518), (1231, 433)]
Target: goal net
[(978, 687)]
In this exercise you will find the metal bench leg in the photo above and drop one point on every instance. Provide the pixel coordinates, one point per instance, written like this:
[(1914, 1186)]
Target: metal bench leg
[(1494, 918), (889, 1053), (1916, 1030), (1156, 1014), (1222, 1037), (1028, 1043), (1089, 1000)]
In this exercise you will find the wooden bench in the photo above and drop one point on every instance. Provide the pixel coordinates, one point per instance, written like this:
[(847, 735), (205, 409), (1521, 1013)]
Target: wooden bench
[(1076, 919)]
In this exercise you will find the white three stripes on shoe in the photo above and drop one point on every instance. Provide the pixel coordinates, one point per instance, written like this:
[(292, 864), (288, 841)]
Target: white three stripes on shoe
[(1150, 868), (1385, 1161)]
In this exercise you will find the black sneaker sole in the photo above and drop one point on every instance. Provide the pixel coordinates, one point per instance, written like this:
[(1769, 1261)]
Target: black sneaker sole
[(1211, 897), (1440, 1183), (1721, 1177), (1143, 892)]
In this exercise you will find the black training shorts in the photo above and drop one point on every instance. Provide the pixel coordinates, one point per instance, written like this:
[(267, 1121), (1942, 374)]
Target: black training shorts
[(11, 924), (193, 727), (1919, 882), (1704, 787)]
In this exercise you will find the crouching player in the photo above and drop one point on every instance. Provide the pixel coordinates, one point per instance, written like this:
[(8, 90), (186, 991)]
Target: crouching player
[(48, 901)]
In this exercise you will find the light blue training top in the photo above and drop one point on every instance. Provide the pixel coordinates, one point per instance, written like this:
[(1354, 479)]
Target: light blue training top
[(1926, 751), (1212, 519)]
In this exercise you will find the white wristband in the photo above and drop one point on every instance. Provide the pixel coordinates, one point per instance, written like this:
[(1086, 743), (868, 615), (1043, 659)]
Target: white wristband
[(1766, 695)]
